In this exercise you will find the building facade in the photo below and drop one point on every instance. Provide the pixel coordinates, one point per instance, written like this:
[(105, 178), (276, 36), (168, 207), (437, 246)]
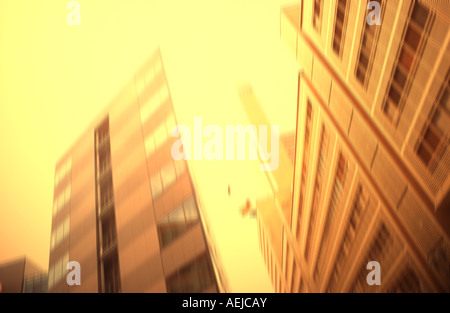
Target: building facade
[(372, 153), (124, 209), (22, 276)]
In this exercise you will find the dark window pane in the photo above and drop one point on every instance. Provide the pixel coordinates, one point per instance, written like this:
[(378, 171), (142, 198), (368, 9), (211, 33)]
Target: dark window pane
[(400, 78), (419, 14), (394, 95), (412, 38), (432, 138), (338, 32), (336, 46), (190, 210), (194, 277), (441, 121), (367, 42), (445, 100), (364, 61), (341, 169), (340, 15), (360, 75), (389, 110), (406, 60)]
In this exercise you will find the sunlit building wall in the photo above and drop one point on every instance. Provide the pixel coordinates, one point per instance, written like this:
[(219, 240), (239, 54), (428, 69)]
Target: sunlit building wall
[(372, 154), (124, 208)]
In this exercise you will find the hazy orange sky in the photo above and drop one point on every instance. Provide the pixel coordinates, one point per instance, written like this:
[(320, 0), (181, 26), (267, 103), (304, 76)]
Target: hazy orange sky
[(55, 79)]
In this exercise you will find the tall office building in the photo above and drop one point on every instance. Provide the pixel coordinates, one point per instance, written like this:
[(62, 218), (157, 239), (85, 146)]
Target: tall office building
[(273, 211), (124, 208), (372, 154)]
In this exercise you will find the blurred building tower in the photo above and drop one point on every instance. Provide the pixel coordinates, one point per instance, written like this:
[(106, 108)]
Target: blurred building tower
[(273, 212), (22, 276), (124, 208), (372, 153)]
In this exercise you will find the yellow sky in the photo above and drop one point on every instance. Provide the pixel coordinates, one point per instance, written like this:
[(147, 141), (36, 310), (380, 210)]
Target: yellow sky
[(55, 78)]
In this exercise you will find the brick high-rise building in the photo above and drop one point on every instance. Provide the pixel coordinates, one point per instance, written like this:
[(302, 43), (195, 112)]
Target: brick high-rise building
[(372, 154), (124, 208)]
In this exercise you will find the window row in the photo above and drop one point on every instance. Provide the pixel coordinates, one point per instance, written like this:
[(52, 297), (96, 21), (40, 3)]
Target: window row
[(58, 271), (416, 34), (292, 270), (160, 135), (36, 284), (317, 15), (149, 77), (331, 217), (178, 221), (436, 133), (60, 233), (321, 164), (194, 277), (340, 26), (166, 176), (360, 204), (154, 102), (63, 171), (381, 243), (61, 200), (368, 47), (309, 112)]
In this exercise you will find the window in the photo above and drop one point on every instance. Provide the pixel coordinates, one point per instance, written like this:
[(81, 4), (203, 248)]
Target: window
[(150, 145), (62, 200), (332, 210), (36, 284), (108, 261), (153, 102), (166, 176), (367, 48), (434, 138), (108, 231), (177, 222), (158, 67), (376, 252), (112, 275), (193, 277), (323, 149), (317, 15), (60, 233), (414, 38), (170, 124), (163, 94), (305, 163), (360, 204), (58, 271), (63, 171), (148, 107), (180, 167), (340, 26), (156, 185), (153, 71), (160, 135), (140, 86)]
